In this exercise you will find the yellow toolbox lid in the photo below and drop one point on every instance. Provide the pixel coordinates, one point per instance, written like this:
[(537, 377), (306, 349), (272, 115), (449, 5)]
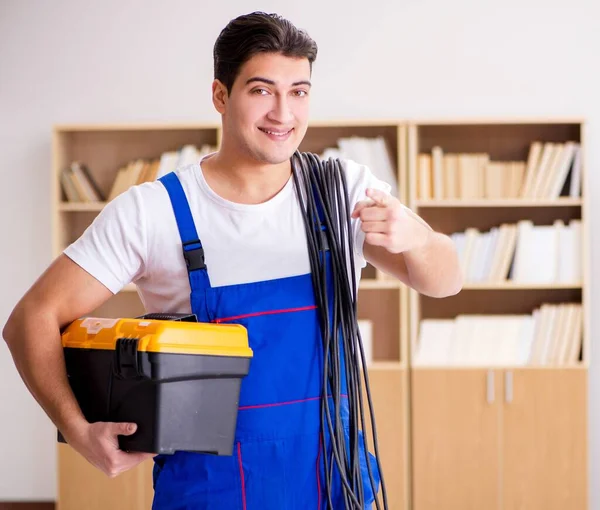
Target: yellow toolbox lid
[(163, 336)]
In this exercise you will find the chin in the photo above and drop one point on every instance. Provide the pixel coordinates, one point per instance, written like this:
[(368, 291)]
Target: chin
[(274, 157)]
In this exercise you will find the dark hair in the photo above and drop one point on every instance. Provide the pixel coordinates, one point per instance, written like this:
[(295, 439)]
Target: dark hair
[(258, 32)]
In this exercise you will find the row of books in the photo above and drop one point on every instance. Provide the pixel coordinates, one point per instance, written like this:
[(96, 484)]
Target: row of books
[(522, 252), (550, 336), (551, 170), (372, 152), (140, 171), (79, 185)]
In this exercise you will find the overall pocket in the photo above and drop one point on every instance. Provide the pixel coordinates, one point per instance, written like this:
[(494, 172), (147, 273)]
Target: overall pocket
[(188, 480), (264, 467)]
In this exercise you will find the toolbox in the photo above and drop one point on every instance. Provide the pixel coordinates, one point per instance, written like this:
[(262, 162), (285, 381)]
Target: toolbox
[(177, 379)]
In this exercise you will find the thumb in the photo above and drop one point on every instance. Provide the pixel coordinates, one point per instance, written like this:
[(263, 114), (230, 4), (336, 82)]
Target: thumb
[(360, 206), (124, 429), (378, 196)]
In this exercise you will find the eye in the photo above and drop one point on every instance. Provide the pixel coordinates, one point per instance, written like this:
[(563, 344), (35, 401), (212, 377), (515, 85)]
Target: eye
[(300, 93), (260, 92)]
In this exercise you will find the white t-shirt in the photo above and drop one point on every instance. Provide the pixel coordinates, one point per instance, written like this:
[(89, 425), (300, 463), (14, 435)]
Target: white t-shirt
[(135, 238)]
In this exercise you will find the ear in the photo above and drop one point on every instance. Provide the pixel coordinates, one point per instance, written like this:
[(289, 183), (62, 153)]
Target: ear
[(219, 96)]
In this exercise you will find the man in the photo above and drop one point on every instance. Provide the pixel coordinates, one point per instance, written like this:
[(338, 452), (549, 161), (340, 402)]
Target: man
[(239, 204)]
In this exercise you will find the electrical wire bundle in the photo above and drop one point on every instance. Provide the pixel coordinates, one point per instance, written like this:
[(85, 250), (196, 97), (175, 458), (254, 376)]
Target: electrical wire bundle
[(329, 234)]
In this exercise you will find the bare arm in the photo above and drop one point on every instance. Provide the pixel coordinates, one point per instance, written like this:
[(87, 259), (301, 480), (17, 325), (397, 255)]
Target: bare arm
[(63, 293), (431, 269)]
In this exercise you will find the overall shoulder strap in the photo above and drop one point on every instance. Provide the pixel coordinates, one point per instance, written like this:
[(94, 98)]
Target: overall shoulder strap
[(193, 253), (321, 216)]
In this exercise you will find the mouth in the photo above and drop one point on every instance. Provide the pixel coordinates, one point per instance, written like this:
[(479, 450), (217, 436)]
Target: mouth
[(277, 134)]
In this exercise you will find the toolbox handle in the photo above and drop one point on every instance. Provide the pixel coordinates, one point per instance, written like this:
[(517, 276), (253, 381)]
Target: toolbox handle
[(172, 316)]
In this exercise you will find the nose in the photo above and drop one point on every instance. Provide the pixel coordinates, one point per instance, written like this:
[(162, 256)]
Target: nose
[(281, 111)]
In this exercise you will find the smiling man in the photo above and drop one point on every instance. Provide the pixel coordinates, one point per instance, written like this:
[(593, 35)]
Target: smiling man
[(238, 213)]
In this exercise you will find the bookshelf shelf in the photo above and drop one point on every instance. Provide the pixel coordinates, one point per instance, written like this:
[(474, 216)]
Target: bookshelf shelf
[(81, 206), (491, 203), (372, 284), (459, 368), (520, 286), (386, 366)]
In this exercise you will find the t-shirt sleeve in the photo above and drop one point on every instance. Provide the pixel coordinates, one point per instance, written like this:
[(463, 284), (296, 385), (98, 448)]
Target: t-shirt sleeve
[(359, 178), (113, 247)]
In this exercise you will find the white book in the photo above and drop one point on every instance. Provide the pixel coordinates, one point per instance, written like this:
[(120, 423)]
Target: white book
[(471, 239), (569, 265), (525, 341), (168, 163), (557, 179), (575, 184), (435, 340), (437, 170), (536, 254), (188, 155), (491, 247), (475, 266)]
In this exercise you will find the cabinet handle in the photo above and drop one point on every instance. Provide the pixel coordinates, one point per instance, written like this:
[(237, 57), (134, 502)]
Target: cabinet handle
[(490, 387), (508, 386)]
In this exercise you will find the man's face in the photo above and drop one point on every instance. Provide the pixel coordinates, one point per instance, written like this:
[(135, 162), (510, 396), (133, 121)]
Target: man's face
[(266, 112)]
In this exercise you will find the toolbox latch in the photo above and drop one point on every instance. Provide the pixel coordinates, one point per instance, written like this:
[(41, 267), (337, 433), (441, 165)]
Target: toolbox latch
[(127, 363)]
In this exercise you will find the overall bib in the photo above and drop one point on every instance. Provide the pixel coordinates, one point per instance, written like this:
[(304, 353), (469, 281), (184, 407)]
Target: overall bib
[(277, 461)]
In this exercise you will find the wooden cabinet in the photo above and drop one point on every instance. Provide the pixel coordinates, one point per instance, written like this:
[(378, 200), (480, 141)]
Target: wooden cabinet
[(388, 392), (499, 371), (505, 439), (544, 439), (453, 433), (82, 486), (456, 446)]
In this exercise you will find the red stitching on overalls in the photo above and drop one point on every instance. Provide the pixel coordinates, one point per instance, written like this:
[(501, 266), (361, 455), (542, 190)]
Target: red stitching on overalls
[(239, 452), (259, 406), (268, 312)]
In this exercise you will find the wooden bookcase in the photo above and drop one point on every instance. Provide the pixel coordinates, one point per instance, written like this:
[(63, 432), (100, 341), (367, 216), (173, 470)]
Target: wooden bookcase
[(470, 435), (496, 435), (106, 148)]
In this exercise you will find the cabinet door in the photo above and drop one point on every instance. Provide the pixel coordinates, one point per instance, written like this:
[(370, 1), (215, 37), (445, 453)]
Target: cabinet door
[(545, 439), (388, 393), (82, 486), (455, 431)]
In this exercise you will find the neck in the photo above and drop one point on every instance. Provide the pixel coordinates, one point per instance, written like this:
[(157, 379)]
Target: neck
[(241, 179)]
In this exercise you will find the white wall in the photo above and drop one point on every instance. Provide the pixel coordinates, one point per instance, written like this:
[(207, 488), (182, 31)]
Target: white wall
[(141, 60)]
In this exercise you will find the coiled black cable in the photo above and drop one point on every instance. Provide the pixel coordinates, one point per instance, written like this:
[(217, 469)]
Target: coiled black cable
[(323, 194)]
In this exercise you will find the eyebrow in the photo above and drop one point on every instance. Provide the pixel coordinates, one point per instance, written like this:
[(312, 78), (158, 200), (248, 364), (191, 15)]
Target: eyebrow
[(271, 82)]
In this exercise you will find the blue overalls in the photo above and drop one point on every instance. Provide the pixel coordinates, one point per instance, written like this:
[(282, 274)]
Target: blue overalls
[(277, 461)]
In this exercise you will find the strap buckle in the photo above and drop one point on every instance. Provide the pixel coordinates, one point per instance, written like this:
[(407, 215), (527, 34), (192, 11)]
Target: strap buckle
[(194, 257), (322, 232)]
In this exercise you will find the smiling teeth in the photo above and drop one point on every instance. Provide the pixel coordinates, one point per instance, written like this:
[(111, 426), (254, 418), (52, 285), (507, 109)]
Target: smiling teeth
[(276, 134)]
